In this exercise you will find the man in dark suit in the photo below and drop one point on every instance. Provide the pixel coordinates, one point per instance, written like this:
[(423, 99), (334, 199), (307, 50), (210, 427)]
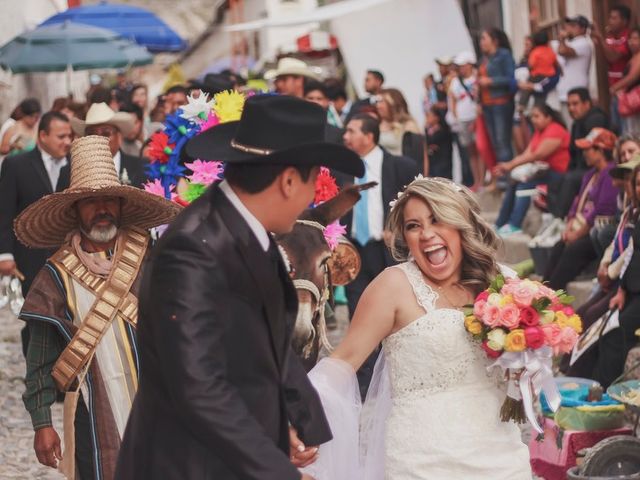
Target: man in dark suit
[(366, 222), (373, 82), (24, 179), (103, 121), (220, 383)]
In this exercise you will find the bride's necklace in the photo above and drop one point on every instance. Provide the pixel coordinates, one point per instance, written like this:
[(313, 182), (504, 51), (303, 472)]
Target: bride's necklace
[(441, 290)]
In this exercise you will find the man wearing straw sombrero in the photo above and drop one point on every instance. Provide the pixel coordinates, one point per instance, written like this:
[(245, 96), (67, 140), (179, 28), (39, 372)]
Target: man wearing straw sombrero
[(82, 309), (221, 384)]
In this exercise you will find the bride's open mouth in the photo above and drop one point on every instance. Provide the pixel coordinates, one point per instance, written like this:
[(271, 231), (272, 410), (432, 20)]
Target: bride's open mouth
[(436, 254)]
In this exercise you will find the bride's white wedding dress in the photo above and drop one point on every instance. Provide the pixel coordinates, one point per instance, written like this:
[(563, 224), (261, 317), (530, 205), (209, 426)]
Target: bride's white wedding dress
[(432, 411)]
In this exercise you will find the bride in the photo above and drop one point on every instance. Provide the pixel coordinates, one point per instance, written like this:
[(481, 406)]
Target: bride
[(432, 411)]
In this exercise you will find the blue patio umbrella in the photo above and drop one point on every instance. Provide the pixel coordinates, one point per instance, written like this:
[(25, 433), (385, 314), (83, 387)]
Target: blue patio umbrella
[(69, 46), (133, 23)]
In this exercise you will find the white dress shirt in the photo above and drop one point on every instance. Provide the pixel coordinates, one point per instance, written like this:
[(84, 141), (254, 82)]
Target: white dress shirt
[(254, 224), (373, 166), (117, 160), (53, 167)]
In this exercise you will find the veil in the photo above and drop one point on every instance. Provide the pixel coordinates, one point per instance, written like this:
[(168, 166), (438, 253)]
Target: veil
[(357, 449)]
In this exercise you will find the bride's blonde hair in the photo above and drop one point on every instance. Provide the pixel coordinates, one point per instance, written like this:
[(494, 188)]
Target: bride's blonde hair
[(455, 206)]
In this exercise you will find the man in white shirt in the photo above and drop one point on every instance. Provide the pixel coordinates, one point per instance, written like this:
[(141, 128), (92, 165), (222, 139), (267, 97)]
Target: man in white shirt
[(24, 179), (574, 55)]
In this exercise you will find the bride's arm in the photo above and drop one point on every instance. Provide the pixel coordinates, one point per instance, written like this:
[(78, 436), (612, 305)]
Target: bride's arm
[(373, 319)]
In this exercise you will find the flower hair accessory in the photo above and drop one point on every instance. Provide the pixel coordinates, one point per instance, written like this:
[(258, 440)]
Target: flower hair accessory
[(439, 180)]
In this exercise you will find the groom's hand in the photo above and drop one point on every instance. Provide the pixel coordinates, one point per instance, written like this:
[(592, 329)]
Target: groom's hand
[(300, 455)]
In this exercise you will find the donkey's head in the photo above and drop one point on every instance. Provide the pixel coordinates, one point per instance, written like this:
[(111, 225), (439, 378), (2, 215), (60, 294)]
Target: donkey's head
[(316, 268)]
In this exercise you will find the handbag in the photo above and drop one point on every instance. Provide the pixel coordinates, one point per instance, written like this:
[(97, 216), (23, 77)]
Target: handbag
[(529, 171), (629, 102)]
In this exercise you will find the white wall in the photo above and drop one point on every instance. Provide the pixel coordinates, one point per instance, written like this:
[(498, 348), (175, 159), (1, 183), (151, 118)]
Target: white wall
[(401, 38)]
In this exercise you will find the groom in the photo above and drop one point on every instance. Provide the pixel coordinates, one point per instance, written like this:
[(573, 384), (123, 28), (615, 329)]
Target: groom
[(220, 387)]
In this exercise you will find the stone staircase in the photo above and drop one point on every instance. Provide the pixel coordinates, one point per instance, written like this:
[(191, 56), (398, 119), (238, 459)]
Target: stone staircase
[(515, 248)]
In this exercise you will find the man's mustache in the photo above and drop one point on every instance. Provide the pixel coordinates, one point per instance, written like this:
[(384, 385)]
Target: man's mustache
[(103, 216)]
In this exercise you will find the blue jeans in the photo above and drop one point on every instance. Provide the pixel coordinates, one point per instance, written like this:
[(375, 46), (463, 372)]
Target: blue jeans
[(499, 120), (514, 208)]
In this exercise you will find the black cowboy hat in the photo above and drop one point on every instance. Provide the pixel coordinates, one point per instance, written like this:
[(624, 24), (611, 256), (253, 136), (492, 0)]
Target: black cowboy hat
[(275, 129)]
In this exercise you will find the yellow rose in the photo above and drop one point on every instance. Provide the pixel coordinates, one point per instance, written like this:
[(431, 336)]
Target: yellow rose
[(515, 341), (506, 300), (547, 316), (473, 325)]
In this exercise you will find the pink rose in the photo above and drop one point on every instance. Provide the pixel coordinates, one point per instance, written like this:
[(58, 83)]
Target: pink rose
[(510, 316), (567, 339), (529, 316), (551, 334), (491, 316), (568, 311), (523, 294), (534, 336), (482, 296), (544, 291), (478, 308), (491, 353)]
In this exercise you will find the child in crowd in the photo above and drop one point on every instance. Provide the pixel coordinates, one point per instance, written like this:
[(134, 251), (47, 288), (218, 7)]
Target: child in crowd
[(544, 71), (439, 144)]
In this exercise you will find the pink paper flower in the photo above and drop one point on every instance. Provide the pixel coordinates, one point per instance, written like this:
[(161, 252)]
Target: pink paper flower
[(155, 187), (510, 316), (205, 173), (332, 234), (211, 121)]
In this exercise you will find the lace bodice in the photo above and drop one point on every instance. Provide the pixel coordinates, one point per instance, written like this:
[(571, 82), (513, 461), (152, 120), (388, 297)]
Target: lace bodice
[(434, 353)]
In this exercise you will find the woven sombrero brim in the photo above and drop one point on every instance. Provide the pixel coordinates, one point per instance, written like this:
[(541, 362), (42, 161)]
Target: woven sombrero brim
[(46, 223)]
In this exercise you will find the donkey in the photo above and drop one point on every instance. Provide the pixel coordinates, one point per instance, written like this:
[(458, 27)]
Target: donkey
[(315, 269)]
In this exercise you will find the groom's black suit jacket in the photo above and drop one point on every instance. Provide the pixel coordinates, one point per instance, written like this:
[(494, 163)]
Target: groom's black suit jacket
[(218, 381)]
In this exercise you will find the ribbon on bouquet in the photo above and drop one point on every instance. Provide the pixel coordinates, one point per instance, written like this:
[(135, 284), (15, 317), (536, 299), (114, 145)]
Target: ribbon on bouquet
[(536, 376)]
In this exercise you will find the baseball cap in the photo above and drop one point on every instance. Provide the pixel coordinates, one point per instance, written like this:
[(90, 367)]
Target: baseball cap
[(598, 137), (464, 58), (580, 20)]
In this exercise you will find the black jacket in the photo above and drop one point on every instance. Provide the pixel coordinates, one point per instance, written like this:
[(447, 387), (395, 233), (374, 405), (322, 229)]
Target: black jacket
[(397, 173), (218, 379), (134, 167), (24, 180)]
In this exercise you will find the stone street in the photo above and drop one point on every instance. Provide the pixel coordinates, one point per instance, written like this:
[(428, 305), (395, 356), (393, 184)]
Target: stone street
[(17, 459)]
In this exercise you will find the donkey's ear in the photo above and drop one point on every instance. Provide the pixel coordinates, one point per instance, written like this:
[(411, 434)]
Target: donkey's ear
[(338, 206)]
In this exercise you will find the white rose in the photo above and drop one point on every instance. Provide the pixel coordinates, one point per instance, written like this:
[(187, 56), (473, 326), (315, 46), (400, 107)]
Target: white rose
[(496, 339)]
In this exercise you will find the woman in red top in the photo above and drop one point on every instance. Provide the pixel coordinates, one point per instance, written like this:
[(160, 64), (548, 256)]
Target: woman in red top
[(549, 149)]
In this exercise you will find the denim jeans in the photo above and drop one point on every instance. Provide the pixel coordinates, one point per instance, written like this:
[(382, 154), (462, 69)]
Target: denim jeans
[(499, 120), (514, 208)]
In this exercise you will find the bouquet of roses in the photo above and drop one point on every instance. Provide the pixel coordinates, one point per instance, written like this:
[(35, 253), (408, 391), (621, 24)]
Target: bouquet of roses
[(522, 324)]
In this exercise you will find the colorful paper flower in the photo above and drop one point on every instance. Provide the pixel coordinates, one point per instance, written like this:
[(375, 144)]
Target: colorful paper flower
[(178, 129), (228, 105), (205, 173), (326, 187), (197, 109), (160, 148), (156, 188), (333, 232)]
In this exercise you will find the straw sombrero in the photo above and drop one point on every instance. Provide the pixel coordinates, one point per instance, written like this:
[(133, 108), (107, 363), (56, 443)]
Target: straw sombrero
[(46, 223), (291, 66)]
